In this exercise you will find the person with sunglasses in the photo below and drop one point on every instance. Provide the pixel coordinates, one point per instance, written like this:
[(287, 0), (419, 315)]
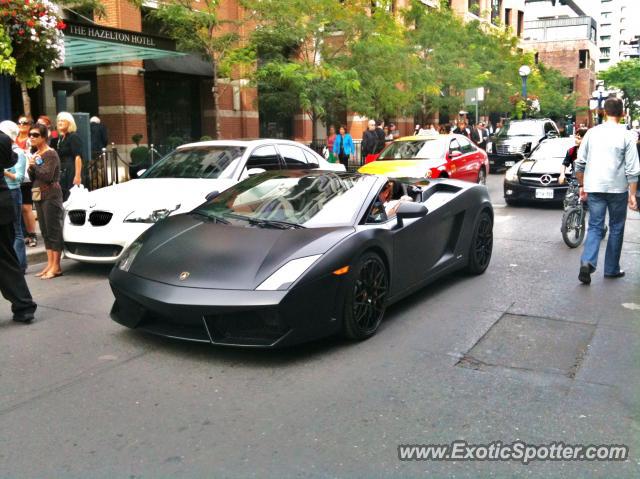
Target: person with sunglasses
[(44, 168), (13, 286), (28, 219)]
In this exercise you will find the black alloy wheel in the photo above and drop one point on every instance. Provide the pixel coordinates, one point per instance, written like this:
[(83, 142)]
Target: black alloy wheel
[(481, 245), (366, 296), (573, 226)]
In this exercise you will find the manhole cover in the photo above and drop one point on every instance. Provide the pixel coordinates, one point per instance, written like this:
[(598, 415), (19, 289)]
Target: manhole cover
[(531, 343)]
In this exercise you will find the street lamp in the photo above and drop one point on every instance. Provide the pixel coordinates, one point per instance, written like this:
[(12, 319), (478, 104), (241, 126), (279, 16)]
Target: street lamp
[(524, 72)]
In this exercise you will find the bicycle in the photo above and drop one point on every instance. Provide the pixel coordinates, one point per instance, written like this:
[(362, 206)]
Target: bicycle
[(574, 218)]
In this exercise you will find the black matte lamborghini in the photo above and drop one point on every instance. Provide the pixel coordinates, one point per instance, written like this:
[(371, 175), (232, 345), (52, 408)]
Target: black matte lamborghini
[(289, 256)]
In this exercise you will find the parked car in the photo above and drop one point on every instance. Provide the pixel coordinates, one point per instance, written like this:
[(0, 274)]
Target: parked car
[(101, 225), (320, 253), (518, 138), (536, 179), (432, 156)]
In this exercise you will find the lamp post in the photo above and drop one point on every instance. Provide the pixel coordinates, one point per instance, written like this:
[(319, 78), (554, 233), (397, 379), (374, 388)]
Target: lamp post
[(524, 73)]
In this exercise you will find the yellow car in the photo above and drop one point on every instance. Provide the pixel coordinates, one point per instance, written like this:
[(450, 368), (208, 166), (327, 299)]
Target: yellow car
[(431, 156)]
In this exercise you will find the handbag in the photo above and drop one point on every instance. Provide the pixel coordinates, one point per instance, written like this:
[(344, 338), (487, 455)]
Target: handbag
[(36, 194)]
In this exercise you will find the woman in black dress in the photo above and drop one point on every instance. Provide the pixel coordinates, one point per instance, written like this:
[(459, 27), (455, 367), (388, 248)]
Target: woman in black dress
[(69, 150)]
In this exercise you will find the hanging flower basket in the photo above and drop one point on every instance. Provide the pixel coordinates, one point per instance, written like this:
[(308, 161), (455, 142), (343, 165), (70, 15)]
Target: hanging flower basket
[(35, 29)]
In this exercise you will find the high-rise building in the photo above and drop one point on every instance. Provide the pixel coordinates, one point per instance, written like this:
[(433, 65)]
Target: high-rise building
[(619, 31)]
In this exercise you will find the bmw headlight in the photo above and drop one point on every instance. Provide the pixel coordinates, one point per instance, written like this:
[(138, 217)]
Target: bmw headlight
[(149, 215), (512, 173), (129, 255), (287, 274)]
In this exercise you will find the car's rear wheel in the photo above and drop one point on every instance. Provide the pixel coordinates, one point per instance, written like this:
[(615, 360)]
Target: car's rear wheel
[(365, 301), (481, 244), (482, 177)]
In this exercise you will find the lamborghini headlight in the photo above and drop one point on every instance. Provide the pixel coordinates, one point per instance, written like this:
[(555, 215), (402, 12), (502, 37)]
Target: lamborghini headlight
[(129, 255), (512, 173), (286, 275), (149, 215)]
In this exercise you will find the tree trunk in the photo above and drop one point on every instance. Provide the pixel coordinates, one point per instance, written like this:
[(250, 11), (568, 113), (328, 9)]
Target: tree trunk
[(26, 101), (314, 119), (216, 96)]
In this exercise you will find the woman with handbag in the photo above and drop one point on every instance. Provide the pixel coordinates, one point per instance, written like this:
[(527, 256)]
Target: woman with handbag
[(44, 169), (69, 148)]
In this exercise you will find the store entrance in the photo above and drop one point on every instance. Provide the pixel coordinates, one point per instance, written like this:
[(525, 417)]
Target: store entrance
[(174, 113)]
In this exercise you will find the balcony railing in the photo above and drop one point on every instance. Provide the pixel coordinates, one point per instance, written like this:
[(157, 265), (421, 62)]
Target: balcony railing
[(558, 29)]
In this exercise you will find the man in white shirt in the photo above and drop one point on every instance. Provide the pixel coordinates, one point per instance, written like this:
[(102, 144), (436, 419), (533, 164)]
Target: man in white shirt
[(607, 170)]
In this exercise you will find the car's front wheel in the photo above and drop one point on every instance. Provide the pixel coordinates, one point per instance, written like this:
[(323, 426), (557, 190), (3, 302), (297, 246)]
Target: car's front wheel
[(481, 244), (365, 301)]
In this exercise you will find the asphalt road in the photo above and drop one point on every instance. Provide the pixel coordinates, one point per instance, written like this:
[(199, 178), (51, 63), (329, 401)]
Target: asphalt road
[(523, 352)]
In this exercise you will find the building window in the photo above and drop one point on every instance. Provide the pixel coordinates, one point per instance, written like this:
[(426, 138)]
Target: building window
[(507, 17), (520, 23), (605, 38), (605, 52), (496, 7), (583, 59), (474, 6)]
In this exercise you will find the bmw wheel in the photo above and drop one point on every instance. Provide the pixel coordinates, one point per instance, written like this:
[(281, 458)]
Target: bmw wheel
[(365, 301)]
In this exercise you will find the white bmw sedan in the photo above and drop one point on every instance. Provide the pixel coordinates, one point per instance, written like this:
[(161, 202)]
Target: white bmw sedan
[(100, 226)]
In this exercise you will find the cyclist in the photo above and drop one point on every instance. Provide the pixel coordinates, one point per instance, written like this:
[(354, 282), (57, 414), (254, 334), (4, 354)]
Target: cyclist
[(571, 155)]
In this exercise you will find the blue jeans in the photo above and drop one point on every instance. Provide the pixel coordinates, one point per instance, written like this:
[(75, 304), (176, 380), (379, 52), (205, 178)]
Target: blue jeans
[(599, 203), (18, 242)]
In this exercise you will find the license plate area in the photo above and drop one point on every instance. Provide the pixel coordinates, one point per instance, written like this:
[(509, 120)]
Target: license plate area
[(544, 193), (509, 163)]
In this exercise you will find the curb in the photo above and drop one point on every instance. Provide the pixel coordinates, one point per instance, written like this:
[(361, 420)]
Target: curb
[(36, 256)]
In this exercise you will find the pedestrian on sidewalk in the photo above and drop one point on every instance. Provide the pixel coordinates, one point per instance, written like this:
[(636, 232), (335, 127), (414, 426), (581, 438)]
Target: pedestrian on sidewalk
[(44, 168), (370, 141), (53, 133), (331, 139), (343, 146), (14, 177), (607, 170), (28, 218), (13, 286), (70, 153)]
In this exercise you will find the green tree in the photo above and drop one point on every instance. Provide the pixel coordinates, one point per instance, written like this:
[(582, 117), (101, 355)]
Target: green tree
[(553, 91), (200, 28), (625, 75), (7, 62), (301, 49)]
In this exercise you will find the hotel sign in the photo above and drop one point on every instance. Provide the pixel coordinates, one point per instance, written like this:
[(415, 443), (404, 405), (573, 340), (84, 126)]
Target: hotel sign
[(115, 35)]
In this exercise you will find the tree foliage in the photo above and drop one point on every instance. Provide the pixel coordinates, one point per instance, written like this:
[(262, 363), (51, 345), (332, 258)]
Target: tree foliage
[(200, 28), (625, 75)]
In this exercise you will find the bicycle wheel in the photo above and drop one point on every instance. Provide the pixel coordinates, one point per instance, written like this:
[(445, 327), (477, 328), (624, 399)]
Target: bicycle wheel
[(573, 227)]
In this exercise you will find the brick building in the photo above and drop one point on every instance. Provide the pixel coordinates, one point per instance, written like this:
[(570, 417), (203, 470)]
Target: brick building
[(565, 38), (140, 84)]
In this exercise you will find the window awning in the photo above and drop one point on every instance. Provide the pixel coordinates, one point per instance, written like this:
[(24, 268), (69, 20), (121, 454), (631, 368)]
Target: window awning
[(87, 44)]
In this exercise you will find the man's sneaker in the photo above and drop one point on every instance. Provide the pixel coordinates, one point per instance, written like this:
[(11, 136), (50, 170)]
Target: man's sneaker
[(619, 274), (24, 317), (585, 273)]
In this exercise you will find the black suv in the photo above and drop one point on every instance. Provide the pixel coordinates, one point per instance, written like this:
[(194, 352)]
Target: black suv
[(518, 138)]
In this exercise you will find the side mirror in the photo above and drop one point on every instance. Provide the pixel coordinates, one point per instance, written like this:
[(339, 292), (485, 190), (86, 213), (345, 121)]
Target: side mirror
[(551, 134), (141, 172), (455, 154), (212, 195), (255, 171), (410, 210)]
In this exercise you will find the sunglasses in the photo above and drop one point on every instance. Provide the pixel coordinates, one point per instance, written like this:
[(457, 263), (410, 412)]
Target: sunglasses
[(24, 122), (34, 135)]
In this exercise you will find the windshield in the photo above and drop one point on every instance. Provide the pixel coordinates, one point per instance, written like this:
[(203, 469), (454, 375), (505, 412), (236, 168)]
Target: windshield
[(522, 128), (553, 149), (300, 198), (423, 149), (197, 162)]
